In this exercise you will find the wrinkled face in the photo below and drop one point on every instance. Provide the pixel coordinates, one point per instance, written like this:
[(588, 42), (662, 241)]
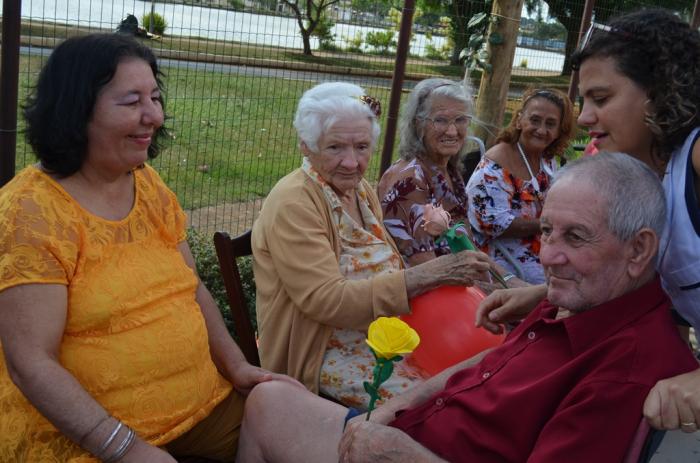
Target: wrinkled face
[(613, 109), (445, 130), (126, 115), (343, 153), (584, 264), (539, 124)]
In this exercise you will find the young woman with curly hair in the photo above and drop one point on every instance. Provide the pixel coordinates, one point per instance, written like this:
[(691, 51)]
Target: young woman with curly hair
[(640, 82)]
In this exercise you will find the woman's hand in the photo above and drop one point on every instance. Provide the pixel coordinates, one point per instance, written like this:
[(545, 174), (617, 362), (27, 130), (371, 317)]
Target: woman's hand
[(675, 403), (508, 305), (143, 451), (463, 268), (245, 376)]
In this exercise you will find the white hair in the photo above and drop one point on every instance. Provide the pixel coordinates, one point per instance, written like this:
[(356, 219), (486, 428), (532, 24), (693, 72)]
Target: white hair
[(323, 105), (634, 193)]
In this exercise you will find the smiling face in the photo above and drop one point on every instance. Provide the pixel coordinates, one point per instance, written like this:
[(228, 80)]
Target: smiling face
[(584, 263), (539, 124), (614, 109), (343, 153), (126, 115), (443, 143)]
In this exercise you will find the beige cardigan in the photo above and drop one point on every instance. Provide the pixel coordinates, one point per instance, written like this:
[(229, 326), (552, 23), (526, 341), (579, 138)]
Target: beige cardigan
[(301, 294)]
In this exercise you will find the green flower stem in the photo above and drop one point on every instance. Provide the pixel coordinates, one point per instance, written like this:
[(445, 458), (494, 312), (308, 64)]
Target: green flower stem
[(382, 372)]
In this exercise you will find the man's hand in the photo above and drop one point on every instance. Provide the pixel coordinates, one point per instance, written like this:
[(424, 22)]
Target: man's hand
[(366, 441), (245, 376), (675, 403), (508, 305)]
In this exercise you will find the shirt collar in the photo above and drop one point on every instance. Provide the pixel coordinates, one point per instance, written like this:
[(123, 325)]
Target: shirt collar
[(600, 322)]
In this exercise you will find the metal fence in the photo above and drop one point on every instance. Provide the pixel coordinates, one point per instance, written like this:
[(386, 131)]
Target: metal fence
[(235, 70)]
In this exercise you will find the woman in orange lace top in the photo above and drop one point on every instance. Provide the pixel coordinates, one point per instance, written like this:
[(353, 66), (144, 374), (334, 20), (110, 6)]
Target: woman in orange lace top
[(112, 346)]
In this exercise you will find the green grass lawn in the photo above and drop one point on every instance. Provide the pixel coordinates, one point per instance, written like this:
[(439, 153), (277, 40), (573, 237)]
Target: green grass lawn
[(231, 136)]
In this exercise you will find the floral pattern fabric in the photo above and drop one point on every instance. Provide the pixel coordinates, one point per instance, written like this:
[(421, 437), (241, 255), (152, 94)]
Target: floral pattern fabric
[(403, 190), (365, 253), (496, 198), (134, 337)]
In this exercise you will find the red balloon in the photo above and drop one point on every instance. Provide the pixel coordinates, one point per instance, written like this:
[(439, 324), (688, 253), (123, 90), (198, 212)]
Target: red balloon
[(444, 319)]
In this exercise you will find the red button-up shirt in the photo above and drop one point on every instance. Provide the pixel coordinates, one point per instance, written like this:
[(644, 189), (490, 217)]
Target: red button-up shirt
[(567, 390)]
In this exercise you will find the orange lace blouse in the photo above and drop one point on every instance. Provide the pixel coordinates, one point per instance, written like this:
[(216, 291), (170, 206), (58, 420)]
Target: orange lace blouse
[(134, 337)]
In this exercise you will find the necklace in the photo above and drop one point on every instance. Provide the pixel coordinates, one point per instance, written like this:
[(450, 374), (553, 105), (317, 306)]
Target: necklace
[(533, 180)]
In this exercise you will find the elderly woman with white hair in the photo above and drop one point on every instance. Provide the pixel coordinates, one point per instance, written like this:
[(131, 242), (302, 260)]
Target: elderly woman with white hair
[(433, 128), (325, 266)]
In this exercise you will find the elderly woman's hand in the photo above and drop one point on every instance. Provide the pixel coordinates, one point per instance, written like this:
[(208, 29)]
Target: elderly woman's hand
[(246, 376), (463, 268)]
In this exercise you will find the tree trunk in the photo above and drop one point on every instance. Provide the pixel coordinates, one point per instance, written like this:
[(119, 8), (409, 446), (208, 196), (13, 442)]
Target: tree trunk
[(306, 38), (493, 91)]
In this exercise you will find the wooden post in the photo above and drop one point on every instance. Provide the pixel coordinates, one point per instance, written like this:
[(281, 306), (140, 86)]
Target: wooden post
[(397, 84), (493, 90), (695, 22)]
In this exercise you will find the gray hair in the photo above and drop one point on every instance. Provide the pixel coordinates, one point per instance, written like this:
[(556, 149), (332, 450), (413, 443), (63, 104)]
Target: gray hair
[(418, 107), (323, 105), (635, 196)]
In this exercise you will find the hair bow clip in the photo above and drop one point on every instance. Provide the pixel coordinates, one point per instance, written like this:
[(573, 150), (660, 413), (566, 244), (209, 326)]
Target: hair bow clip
[(373, 103)]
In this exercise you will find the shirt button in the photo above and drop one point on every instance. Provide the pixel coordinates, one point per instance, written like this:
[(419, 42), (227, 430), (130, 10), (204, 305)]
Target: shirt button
[(531, 335), (439, 402), (486, 375)]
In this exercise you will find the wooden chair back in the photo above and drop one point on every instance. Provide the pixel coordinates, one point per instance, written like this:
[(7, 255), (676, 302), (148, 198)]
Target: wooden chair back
[(227, 250)]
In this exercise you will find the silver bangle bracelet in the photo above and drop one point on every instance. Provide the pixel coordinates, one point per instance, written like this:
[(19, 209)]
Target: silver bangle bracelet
[(508, 276), (123, 447), (109, 440)]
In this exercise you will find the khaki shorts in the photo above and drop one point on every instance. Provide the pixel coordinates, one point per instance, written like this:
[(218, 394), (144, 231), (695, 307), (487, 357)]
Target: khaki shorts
[(216, 436)]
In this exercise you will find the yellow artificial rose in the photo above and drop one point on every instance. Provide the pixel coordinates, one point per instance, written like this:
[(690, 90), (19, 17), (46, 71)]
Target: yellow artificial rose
[(390, 336)]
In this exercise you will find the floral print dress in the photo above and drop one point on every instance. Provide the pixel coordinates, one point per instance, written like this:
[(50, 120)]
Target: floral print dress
[(496, 198), (403, 190), (365, 253)]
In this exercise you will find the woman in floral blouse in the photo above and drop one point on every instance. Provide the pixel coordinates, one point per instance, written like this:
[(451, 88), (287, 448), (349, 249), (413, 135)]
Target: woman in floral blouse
[(433, 131), (507, 189)]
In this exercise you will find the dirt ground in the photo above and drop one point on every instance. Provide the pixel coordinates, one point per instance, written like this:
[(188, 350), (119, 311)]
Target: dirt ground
[(234, 218)]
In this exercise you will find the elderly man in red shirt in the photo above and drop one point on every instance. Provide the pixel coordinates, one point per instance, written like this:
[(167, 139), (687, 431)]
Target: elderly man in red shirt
[(568, 383)]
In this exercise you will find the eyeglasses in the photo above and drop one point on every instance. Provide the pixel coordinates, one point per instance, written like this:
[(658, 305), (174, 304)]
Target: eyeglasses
[(589, 33), (441, 124)]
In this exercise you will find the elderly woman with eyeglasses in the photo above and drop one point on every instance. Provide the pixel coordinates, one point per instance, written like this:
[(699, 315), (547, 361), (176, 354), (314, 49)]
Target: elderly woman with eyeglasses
[(507, 189), (433, 131), (324, 265)]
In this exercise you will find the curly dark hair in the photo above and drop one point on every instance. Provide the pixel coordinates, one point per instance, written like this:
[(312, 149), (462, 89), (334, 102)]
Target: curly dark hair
[(59, 107), (511, 134), (661, 53)]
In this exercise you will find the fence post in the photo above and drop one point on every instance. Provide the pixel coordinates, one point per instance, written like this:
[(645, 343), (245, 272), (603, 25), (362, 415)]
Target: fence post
[(585, 22), (397, 84), (695, 22), (9, 76)]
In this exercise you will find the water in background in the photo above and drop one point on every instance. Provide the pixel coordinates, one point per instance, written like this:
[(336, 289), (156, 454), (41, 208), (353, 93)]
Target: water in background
[(231, 25)]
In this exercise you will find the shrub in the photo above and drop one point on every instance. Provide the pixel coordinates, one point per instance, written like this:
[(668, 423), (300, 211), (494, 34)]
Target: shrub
[(354, 43), (237, 5), (204, 253), (523, 63), (159, 23), (433, 52), (381, 40), (324, 33)]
